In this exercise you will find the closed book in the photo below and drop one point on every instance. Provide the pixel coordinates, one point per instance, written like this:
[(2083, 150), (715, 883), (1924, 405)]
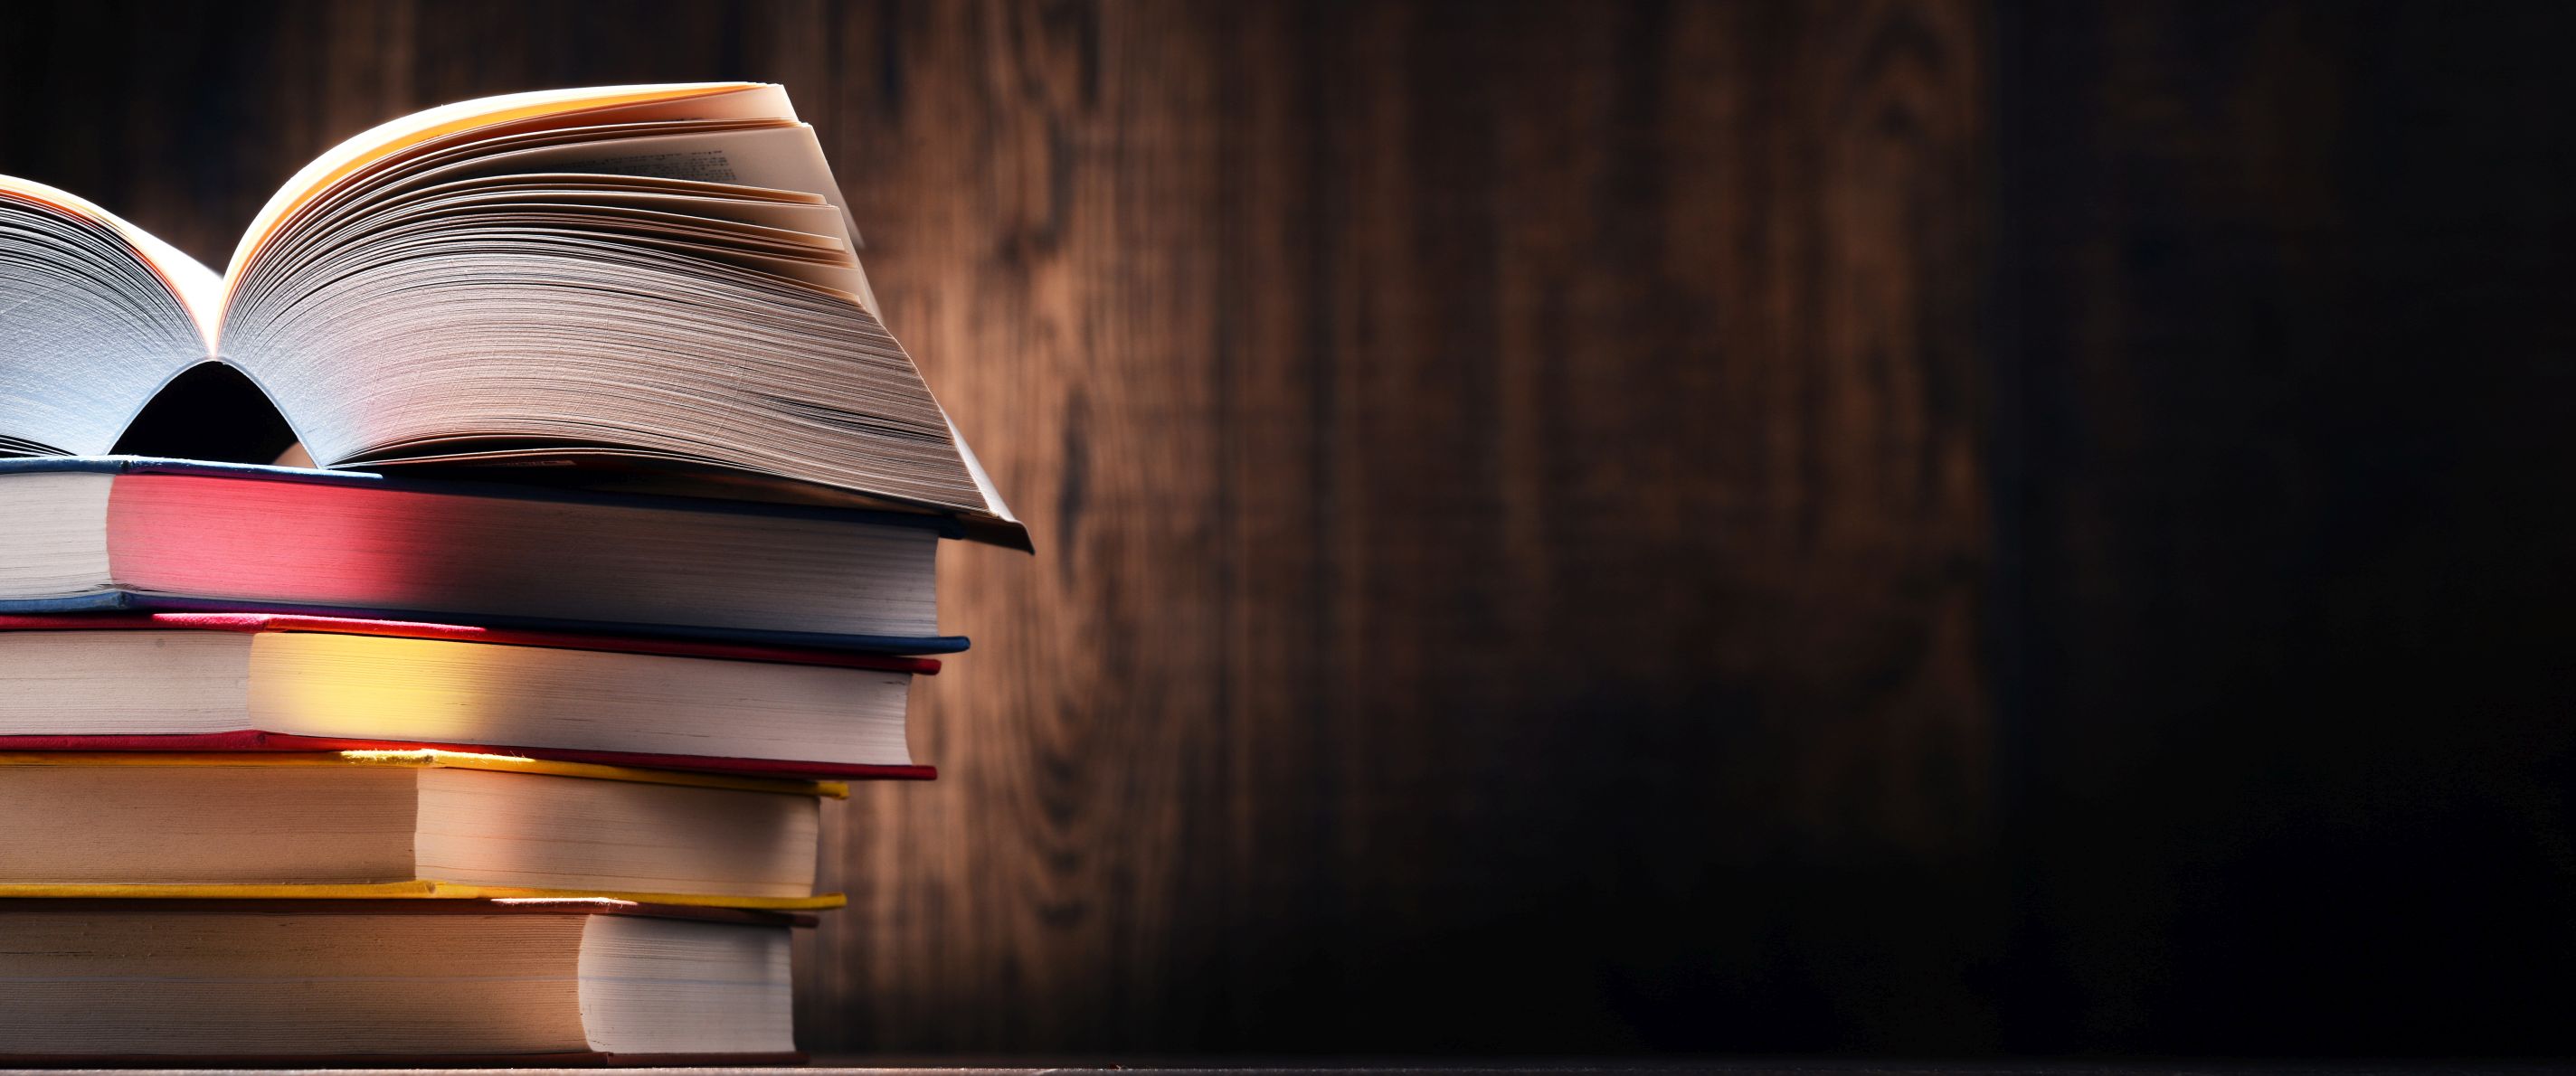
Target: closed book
[(329, 983), (254, 681), (128, 532), (402, 824)]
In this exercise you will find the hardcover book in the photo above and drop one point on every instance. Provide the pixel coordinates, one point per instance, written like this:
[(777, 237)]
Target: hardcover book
[(644, 286), (401, 824), (304, 984), (142, 533), (248, 682)]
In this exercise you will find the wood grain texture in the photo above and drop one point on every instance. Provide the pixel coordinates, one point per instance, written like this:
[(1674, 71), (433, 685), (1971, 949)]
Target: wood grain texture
[(1925, 525), (2288, 400), (1383, 428), (1508, 480)]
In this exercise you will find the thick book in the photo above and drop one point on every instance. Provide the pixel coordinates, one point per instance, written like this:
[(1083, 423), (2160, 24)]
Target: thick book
[(263, 682), (94, 533), (402, 824), (635, 286), (309, 984)]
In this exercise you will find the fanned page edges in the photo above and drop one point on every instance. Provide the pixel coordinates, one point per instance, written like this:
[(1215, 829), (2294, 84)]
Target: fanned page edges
[(199, 291), (657, 277), (393, 136), (92, 323)]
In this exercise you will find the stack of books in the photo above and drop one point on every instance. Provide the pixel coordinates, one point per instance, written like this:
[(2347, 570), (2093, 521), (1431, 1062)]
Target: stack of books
[(435, 636)]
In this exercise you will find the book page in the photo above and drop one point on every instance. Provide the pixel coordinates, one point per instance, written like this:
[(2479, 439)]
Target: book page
[(713, 100), (621, 274), (198, 288), (782, 158)]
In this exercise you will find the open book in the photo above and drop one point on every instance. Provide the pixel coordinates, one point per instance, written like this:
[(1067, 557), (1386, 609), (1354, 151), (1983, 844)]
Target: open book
[(635, 287)]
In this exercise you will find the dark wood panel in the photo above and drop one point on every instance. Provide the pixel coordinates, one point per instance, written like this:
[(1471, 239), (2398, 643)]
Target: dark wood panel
[(1048, 184), (2292, 482), (1515, 487), (1509, 481), (1383, 417)]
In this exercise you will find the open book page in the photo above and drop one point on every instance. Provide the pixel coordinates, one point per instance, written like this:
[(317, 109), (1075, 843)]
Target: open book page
[(626, 280), (783, 158), (669, 279), (198, 288), (776, 158), (387, 140), (95, 316), (1012, 534)]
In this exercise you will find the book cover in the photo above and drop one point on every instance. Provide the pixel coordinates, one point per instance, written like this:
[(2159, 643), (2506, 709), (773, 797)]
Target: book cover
[(124, 600), (257, 740), (105, 913), (418, 888)]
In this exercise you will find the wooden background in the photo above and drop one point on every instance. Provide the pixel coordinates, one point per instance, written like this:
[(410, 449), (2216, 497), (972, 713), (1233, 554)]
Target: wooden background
[(1918, 526)]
